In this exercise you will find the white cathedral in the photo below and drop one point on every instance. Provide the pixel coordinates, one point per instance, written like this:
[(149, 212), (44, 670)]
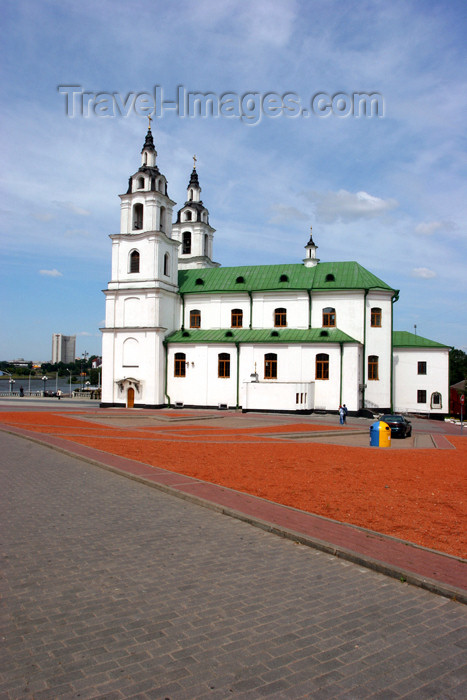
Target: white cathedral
[(180, 330)]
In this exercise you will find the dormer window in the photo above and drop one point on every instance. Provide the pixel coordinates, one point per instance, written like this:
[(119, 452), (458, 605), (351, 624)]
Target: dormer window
[(330, 278), (283, 278)]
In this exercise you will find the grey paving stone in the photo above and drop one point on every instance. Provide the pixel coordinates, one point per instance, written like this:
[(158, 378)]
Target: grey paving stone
[(115, 590)]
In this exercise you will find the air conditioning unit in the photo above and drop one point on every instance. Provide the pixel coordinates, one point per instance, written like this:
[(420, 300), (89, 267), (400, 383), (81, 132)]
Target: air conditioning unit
[(222, 406), (179, 404)]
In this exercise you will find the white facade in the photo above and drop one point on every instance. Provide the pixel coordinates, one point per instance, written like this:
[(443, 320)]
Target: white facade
[(421, 380), (180, 330)]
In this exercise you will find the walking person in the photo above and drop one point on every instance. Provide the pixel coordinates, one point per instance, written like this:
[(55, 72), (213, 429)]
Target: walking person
[(59, 394), (341, 415), (345, 413)]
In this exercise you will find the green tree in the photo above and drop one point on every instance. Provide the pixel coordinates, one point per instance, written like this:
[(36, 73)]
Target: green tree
[(457, 366)]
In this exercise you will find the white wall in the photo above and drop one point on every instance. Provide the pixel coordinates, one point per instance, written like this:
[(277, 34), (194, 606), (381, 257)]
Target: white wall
[(407, 381)]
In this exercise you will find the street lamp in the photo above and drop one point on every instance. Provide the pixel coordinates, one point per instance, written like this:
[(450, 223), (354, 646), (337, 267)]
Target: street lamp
[(85, 357), (69, 372), (11, 381), (44, 379)]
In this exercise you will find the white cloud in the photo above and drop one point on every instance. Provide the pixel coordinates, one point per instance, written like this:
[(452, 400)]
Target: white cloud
[(423, 273), (51, 273), (347, 206)]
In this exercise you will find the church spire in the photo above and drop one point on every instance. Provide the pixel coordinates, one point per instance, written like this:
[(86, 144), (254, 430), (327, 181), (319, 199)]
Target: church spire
[(148, 152)]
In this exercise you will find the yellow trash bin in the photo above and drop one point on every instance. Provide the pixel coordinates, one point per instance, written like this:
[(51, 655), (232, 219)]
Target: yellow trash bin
[(380, 434)]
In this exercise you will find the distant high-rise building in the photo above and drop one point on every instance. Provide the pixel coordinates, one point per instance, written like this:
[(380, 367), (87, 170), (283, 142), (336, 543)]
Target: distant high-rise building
[(63, 348)]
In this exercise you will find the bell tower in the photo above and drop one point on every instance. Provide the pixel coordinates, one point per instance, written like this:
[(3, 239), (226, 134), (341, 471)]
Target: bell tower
[(142, 301), (192, 229)]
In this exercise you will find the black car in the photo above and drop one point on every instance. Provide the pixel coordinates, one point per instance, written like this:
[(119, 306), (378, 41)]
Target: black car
[(400, 426)]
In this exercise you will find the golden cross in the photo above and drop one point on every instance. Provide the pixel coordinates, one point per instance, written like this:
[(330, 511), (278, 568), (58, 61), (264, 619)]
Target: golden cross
[(150, 120), (194, 162)]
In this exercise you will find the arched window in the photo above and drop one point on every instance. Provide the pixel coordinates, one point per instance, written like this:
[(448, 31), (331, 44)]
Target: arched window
[(188, 216), (190, 195), (270, 365), (206, 244), (134, 261), (376, 317), (195, 318), (322, 366), (138, 217), (373, 367), (160, 185), (237, 318), (223, 365), (436, 400), (140, 184), (166, 264), (329, 317), (186, 243), (162, 219), (180, 364), (280, 318)]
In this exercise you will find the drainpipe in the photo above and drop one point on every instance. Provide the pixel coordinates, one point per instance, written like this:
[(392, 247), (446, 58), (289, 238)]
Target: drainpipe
[(250, 294), (340, 388), (183, 310), (309, 308), (394, 298), (237, 345), (364, 348), (166, 372)]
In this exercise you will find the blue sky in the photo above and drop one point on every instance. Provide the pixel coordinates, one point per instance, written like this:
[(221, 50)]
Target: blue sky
[(388, 191)]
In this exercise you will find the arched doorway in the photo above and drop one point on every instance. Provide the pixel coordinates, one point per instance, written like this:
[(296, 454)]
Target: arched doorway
[(130, 398)]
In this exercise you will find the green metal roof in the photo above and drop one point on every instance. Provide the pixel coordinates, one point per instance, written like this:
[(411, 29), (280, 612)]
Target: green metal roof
[(264, 335), (404, 339), (255, 278)]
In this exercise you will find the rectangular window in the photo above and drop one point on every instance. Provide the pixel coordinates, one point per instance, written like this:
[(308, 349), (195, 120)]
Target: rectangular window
[(421, 396), (270, 366), (373, 367), (422, 368), (322, 366), (195, 318), (329, 317), (280, 318), (224, 365), (376, 317), (180, 364), (237, 318)]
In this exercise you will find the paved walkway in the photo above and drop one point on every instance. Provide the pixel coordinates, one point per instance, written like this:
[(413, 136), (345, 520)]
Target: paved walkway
[(435, 571), (115, 590)]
